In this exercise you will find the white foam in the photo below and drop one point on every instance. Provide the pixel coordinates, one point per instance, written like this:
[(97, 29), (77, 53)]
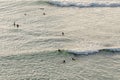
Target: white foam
[(84, 4), (88, 52)]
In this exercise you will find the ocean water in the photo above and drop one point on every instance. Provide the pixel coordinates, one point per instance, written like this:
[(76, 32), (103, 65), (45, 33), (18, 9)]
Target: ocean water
[(91, 34)]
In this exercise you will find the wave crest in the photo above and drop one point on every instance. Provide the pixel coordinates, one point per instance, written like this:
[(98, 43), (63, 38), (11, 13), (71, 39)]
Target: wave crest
[(84, 5), (112, 50)]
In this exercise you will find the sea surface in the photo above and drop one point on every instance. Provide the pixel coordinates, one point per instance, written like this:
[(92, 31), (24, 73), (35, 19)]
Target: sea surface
[(29, 51)]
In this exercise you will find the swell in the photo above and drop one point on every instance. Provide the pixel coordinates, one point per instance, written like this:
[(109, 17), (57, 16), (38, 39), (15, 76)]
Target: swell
[(84, 5)]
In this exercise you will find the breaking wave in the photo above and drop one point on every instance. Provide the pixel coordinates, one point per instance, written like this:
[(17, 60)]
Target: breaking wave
[(84, 4), (90, 52)]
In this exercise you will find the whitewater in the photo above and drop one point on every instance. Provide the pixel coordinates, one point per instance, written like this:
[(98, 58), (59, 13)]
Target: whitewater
[(37, 48)]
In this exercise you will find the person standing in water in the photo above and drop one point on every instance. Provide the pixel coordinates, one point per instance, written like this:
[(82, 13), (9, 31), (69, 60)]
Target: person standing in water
[(14, 24), (17, 25), (62, 33), (44, 13)]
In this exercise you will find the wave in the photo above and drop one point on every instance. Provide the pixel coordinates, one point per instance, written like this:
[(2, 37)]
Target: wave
[(84, 5), (88, 52), (46, 54)]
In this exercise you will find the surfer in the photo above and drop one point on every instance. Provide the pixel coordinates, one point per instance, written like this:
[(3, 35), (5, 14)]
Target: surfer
[(17, 25), (14, 24), (62, 33), (59, 50), (64, 61), (44, 14)]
